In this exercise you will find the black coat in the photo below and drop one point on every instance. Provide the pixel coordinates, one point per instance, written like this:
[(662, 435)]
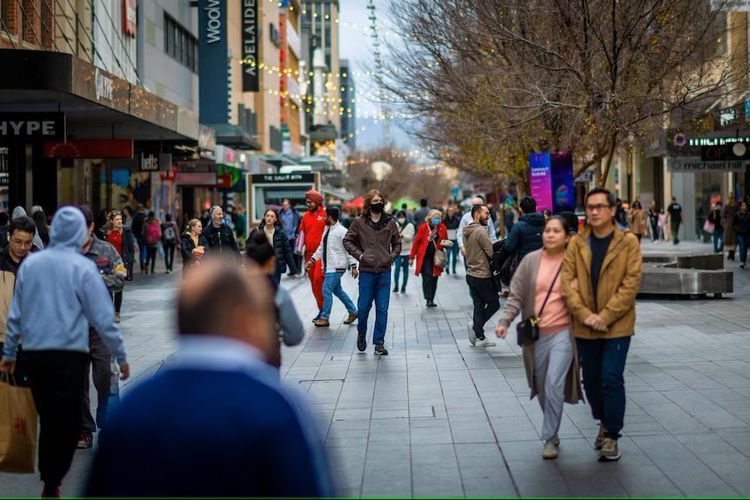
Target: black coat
[(742, 223), (220, 239), (187, 245), (526, 235), (282, 248)]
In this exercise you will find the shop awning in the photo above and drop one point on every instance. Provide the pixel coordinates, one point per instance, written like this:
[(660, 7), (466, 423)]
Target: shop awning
[(341, 194), (96, 104)]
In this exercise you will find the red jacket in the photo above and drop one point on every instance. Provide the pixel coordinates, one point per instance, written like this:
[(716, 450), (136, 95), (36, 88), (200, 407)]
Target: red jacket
[(419, 245), (313, 224)]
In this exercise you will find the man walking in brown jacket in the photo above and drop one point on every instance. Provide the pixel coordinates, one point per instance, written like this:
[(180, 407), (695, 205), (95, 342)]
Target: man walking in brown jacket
[(478, 275), (601, 274), (374, 239)]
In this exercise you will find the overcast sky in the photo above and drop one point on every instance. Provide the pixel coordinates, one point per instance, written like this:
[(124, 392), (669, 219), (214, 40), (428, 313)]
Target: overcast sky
[(356, 45)]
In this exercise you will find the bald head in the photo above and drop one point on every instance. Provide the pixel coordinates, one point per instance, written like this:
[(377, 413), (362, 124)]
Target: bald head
[(218, 298)]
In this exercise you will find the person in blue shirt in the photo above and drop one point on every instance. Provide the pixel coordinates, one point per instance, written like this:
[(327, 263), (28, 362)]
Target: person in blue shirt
[(289, 218), (56, 337), (214, 421)]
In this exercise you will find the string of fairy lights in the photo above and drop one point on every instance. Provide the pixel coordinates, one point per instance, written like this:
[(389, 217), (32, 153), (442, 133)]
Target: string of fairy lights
[(373, 94)]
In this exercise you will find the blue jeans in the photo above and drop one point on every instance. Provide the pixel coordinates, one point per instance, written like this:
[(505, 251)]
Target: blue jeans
[(331, 287), (451, 254), (374, 287), (603, 365), (401, 263), (742, 242), (718, 238), (142, 250)]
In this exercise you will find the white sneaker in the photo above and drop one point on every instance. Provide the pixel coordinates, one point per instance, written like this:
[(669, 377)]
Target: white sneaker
[(550, 450), (472, 333), (484, 343)]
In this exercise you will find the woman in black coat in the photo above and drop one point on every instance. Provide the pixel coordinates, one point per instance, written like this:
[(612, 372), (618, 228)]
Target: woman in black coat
[(192, 244), (271, 226)]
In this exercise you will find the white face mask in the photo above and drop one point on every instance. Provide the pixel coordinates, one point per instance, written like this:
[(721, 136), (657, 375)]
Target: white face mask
[(401, 220)]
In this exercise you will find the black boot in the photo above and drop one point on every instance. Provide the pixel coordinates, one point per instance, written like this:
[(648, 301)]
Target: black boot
[(731, 255)]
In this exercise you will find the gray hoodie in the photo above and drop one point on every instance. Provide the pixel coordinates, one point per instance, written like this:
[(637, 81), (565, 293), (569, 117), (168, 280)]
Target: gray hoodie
[(36, 241), (71, 292)]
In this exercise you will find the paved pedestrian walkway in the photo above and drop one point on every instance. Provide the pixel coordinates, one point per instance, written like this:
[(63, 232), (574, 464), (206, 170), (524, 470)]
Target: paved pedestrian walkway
[(440, 417)]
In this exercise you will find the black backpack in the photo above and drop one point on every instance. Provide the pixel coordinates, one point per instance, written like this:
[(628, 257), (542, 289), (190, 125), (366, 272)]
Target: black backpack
[(497, 262)]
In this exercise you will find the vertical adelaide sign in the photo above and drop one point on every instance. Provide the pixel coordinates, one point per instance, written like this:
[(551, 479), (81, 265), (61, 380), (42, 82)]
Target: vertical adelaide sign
[(250, 79), (214, 93), (540, 179)]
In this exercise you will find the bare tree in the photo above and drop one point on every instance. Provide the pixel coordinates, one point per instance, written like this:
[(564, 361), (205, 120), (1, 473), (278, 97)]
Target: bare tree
[(405, 179), (495, 79)]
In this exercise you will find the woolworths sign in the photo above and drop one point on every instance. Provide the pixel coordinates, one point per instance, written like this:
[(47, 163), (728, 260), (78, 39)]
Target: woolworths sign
[(214, 13), (212, 54)]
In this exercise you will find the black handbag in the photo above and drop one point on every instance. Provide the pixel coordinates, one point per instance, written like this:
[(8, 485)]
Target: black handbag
[(527, 331)]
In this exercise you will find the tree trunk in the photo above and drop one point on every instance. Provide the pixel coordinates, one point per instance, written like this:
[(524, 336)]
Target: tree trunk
[(607, 160)]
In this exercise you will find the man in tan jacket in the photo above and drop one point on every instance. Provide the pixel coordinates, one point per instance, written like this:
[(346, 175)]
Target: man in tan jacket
[(482, 288), (600, 278), (20, 235)]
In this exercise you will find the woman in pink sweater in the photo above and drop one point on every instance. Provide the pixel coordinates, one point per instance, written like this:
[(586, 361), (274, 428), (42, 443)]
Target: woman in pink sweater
[(550, 362)]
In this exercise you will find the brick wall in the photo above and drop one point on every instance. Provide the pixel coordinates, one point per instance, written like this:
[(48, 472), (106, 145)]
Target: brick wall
[(48, 24), (32, 22)]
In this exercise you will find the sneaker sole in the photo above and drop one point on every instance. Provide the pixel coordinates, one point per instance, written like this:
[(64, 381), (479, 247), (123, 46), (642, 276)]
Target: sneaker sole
[(615, 458), (381, 353), (549, 457)]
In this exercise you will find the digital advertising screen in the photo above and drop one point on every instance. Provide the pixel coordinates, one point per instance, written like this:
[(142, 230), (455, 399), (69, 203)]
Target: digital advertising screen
[(563, 194), (540, 179)]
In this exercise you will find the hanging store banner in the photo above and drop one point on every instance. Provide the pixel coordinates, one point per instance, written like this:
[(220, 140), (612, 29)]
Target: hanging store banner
[(688, 165), (89, 148), (155, 163), (250, 45), (48, 126), (129, 17), (541, 179), (212, 54)]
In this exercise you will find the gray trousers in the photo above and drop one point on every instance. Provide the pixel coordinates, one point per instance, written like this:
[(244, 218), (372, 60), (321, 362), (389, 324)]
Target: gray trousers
[(553, 353), (99, 363)]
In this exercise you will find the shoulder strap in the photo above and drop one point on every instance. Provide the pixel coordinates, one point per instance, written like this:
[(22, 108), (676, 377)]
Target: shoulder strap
[(551, 286)]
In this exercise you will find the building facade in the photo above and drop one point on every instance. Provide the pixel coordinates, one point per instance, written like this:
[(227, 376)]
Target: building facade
[(348, 107), (103, 137)]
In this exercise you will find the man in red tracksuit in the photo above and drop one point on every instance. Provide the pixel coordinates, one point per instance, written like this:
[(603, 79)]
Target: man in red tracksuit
[(312, 224)]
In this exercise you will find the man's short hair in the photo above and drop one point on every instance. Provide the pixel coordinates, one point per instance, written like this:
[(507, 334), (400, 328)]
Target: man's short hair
[(258, 249), (423, 202), (23, 223), (475, 209), (87, 214), (611, 200), (480, 197), (333, 212), (528, 205), (209, 309)]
